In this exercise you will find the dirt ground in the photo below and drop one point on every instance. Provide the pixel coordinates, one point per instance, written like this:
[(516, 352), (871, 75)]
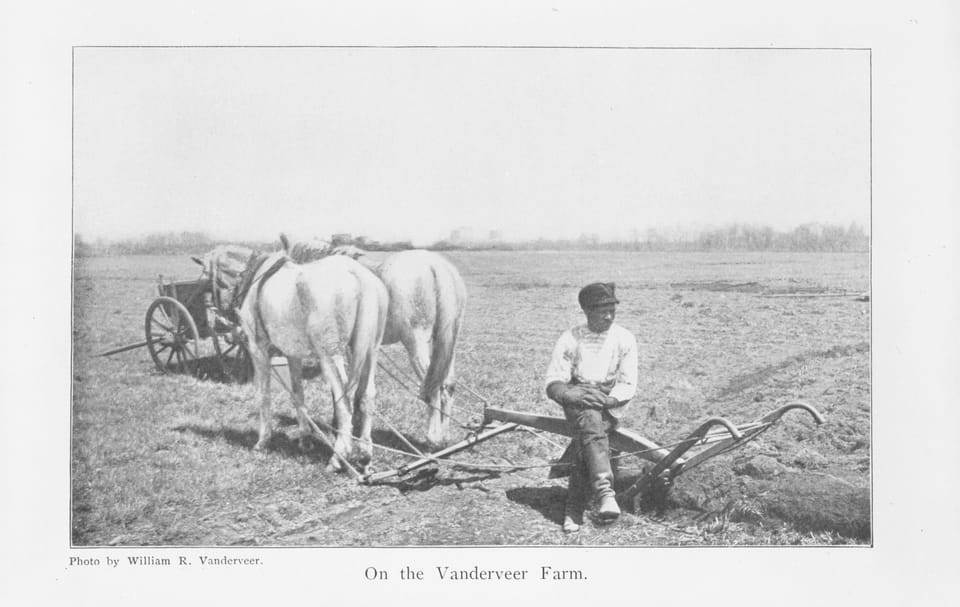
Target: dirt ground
[(168, 460)]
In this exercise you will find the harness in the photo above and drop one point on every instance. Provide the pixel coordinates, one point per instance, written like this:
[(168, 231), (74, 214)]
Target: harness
[(249, 279)]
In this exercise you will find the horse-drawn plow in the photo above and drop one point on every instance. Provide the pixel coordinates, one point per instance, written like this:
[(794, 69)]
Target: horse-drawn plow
[(185, 313), (714, 437)]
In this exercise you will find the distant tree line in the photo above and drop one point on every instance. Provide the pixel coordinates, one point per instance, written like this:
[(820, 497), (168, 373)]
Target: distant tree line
[(806, 237), (192, 243), (735, 237), (161, 243)]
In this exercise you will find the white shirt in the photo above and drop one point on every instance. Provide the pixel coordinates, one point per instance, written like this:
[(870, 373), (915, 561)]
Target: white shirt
[(607, 360)]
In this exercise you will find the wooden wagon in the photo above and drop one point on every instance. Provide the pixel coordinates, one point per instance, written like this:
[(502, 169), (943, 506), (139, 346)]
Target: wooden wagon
[(180, 321)]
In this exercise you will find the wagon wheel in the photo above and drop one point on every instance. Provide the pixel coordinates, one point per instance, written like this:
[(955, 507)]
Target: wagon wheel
[(172, 336), (233, 358)]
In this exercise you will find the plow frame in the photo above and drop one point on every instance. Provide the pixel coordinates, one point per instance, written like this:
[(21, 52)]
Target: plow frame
[(713, 437)]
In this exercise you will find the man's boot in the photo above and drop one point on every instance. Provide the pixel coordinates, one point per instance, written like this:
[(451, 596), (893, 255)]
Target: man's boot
[(596, 456), (607, 508), (576, 497)]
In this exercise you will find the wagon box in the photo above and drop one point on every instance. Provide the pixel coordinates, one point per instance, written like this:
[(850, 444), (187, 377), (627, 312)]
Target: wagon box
[(182, 315)]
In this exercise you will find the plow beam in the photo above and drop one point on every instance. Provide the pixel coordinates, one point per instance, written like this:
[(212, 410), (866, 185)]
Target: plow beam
[(620, 439)]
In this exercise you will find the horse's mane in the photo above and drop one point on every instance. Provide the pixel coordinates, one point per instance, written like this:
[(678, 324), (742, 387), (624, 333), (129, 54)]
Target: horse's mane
[(314, 249)]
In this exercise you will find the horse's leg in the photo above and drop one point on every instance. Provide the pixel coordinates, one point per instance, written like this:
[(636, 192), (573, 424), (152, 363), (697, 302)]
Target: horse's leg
[(417, 344), (261, 380), (419, 347), (334, 374), (364, 406), (446, 399), (340, 367), (295, 367)]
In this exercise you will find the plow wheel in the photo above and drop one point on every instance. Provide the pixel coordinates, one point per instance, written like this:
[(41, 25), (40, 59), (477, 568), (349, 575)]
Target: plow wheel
[(172, 336), (233, 358)]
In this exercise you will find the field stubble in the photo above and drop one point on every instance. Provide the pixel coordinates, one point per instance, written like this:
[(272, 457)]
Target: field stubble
[(168, 459)]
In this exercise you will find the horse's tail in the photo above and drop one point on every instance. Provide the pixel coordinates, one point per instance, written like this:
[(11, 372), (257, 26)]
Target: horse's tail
[(367, 332), (450, 296)]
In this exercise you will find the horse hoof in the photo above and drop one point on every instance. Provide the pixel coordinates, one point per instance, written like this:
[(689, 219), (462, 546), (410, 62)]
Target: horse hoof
[(362, 458)]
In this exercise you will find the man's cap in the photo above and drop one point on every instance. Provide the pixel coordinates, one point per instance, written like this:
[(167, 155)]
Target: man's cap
[(597, 294)]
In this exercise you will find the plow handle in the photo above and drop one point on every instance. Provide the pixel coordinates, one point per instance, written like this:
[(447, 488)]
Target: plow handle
[(774, 416)]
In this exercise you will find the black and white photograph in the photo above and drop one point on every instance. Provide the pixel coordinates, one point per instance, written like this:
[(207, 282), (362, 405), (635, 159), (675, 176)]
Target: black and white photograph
[(436, 302), (471, 296)]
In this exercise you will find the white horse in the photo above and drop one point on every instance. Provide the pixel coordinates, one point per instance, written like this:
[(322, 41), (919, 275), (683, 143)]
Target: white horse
[(427, 302), (333, 309)]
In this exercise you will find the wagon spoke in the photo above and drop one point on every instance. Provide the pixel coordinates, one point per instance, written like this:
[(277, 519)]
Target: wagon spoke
[(170, 328), (166, 316), (178, 325), (167, 328), (183, 329)]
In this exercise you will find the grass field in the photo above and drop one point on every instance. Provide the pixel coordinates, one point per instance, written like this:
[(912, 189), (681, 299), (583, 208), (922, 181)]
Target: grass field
[(168, 459)]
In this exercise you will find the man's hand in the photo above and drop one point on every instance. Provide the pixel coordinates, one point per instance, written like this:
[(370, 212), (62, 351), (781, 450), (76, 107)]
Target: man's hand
[(585, 396), (580, 396)]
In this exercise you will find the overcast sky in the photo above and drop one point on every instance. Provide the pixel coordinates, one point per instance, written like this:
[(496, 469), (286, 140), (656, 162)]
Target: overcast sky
[(412, 143)]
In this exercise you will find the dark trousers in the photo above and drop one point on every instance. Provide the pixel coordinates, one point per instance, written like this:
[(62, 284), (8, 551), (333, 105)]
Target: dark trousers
[(591, 450)]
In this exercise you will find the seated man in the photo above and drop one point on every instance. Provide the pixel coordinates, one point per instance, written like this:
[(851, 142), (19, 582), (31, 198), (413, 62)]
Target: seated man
[(593, 375)]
